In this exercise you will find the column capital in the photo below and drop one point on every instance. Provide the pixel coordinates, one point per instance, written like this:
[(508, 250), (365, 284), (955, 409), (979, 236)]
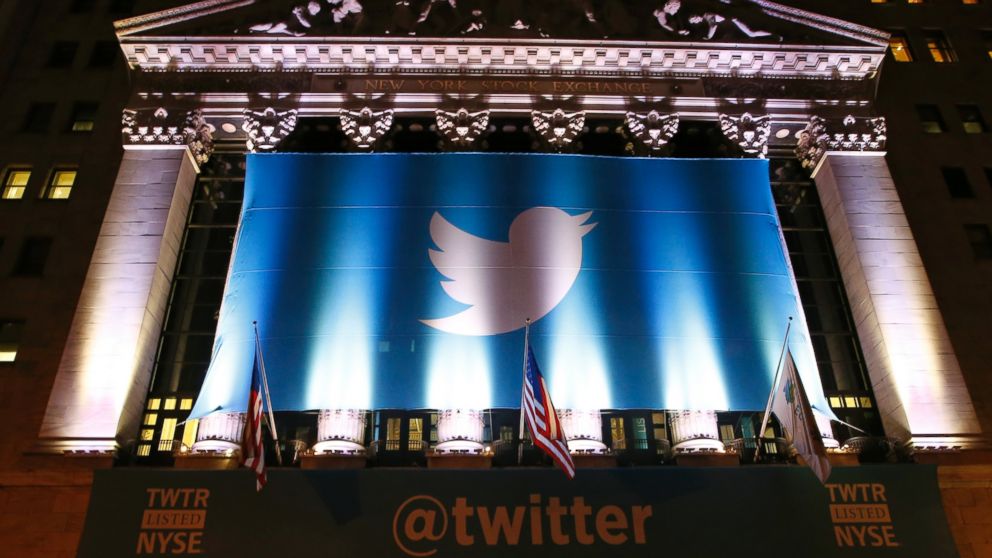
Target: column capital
[(850, 134), (147, 128), (462, 128), (653, 129), (365, 127), (558, 128), (267, 127), (747, 131)]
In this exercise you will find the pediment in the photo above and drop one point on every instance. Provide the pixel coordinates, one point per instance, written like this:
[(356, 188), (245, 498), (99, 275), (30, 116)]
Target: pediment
[(740, 22)]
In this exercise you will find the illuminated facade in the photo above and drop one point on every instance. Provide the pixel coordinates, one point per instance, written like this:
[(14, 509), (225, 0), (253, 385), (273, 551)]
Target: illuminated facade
[(895, 312)]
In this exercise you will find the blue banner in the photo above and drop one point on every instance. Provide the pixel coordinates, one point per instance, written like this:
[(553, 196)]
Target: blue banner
[(405, 281)]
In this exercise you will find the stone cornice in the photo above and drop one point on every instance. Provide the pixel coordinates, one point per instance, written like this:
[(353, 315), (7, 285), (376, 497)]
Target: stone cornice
[(387, 55)]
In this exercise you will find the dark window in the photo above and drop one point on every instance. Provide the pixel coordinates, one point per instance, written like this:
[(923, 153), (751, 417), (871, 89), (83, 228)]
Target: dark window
[(980, 238), (34, 253), (988, 175), (104, 54), (121, 6), (10, 339), (63, 54), (930, 119), (971, 119), (81, 6), (957, 182), (39, 117), (899, 47), (83, 117), (939, 47)]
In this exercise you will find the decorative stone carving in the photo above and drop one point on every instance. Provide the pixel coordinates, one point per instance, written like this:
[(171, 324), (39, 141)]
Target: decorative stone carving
[(653, 129), (850, 134), (462, 127), (750, 133), (365, 127), (159, 127), (303, 17), (266, 128), (558, 128), (704, 25)]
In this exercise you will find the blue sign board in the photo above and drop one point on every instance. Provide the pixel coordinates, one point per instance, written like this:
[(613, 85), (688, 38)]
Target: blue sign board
[(406, 281)]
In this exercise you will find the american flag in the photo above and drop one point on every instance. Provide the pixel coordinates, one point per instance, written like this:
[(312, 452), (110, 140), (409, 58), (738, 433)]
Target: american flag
[(542, 419), (253, 453)]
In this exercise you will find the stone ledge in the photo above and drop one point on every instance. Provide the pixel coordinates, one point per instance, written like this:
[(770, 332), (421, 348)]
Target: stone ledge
[(333, 461), (707, 459), (459, 461)]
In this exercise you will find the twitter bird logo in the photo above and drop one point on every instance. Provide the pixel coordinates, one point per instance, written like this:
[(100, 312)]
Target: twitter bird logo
[(505, 283)]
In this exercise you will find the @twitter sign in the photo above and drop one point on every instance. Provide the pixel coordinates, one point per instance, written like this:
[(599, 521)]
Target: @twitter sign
[(405, 281)]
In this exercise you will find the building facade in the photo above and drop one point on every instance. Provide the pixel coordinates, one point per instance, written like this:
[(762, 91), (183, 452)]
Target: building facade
[(870, 114)]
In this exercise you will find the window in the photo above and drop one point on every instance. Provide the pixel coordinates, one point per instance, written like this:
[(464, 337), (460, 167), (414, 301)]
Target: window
[(618, 433), (83, 117), (971, 119), (988, 175), (879, 1), (899, 48), (60, 184), (640, 433), (10, 339), (14, 183), (957, 182), (980, 238), (104, 54), (39, 117), (970, 2), (940, 49), (34, 253), (915, 2), (63, 54), (393, 434), (415, 442), (727, 433), (930, 118), (987, 39)]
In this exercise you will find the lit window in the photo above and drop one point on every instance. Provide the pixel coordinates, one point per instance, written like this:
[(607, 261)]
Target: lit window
[(640, 433), (726, 433), (957, 182), (416, 440), (980, 238), (144, 450), (189, 432), (151, 419), (186, 404), (939, 47), (865, 402), (836, 402), (930, 119), (851, 402), (899, 48), (618, 433), (34, 254), (879, 1), (147, 435), (971, 119), (60, 185), (14, 183), (915, 2), (393, 434), (970, 2), (83, 117), (10, 339), (168, 429), (170, 404), (154, 403)]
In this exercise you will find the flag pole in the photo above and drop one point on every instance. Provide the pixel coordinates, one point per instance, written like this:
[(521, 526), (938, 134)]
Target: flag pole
[(520, 446), (771, 396), (268, 400)]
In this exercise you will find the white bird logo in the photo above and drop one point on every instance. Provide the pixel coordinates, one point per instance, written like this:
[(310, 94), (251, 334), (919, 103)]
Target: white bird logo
[(506, 283)]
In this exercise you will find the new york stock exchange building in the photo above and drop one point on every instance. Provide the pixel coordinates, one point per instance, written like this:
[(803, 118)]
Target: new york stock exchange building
[(367, 213)]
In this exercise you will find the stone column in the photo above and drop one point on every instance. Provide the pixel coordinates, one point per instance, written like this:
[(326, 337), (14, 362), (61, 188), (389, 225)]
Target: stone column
[(583, 430), (459, 431), (220, 432), (913, 370), (106, 365), (695, 431), (340, 431)]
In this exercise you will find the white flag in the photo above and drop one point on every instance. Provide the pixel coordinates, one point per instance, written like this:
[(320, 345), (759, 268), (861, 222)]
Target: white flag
[(794, 413)]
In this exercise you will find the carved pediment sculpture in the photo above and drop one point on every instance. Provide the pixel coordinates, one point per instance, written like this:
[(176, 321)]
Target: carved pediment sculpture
[(654, 130), (558, 128), (462, 128), (365, 127), (749, 132), (267, 127)]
